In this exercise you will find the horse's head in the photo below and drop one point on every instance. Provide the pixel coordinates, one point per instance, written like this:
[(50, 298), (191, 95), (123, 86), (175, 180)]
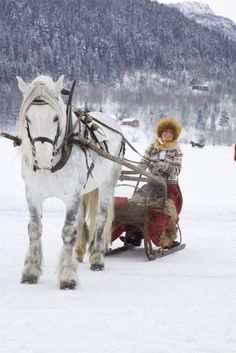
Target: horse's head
[(42, 121)]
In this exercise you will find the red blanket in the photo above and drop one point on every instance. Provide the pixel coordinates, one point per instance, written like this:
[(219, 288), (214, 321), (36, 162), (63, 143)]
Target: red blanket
[(157, 222)]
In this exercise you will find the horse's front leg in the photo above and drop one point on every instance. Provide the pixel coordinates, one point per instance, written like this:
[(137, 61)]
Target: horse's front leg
[(33, 260), (67, 275)]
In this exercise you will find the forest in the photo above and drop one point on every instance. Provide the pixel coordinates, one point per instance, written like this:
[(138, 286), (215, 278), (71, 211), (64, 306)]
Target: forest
[(131, 58)]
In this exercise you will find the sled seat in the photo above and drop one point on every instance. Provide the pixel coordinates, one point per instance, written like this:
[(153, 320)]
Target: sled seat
[(128, 213)]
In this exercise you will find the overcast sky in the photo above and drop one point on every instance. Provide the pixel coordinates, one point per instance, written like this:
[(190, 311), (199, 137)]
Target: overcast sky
[(223, 8)]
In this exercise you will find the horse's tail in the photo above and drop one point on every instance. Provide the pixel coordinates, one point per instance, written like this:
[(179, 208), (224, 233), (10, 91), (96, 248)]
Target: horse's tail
[(90, 201), (87, 223)]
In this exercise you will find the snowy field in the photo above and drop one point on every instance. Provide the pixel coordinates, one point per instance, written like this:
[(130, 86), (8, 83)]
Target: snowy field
[(178, 304)]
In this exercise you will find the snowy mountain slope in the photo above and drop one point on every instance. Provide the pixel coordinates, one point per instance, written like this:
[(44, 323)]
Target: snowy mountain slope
[(137, 57), (203, 14), (189, 8)]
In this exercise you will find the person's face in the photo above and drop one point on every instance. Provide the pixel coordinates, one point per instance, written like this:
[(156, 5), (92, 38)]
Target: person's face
[(167, 136)]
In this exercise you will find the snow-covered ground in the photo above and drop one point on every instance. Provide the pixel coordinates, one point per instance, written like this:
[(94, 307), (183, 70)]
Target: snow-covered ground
[(178, 304)]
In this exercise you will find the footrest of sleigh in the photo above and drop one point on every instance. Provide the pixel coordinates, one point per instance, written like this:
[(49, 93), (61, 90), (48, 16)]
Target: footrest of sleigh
[(118, 250), (152, 254)]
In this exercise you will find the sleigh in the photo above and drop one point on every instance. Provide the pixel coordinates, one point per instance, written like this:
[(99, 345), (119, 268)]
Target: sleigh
[(149, 221), (68, 146), (128, 213)]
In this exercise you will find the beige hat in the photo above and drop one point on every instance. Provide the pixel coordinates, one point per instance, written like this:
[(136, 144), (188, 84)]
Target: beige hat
[(169, 123)]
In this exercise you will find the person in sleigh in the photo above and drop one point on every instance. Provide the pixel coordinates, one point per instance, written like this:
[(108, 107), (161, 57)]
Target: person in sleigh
[(162, 157)]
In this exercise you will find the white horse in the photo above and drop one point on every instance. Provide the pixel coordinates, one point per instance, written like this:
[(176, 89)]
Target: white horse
[(42, 129)]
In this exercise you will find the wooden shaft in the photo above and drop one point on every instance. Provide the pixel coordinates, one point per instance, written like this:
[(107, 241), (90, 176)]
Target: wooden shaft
[(128, 172), (15, 139), (133, 178)]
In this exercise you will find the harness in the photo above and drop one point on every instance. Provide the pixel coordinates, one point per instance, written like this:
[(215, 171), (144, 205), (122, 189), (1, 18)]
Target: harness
[(42, 138), (71, 137), (70, 134), (66, 147)]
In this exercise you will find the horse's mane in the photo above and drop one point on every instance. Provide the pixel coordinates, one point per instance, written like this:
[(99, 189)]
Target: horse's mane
[(40, 88)]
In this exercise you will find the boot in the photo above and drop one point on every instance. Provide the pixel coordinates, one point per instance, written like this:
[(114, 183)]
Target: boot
[(132, 237), (167, 238), (174, 244)]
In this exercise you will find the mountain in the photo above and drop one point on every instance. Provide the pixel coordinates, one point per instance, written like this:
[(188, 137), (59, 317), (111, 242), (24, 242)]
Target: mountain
[(99, 41), (132, 57), (202, 13)]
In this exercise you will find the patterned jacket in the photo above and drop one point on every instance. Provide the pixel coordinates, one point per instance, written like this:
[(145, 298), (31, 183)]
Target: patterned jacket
[(164, 159)]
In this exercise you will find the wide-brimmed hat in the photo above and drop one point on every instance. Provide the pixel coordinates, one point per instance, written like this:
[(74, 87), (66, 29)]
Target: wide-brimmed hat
[(169, 123)]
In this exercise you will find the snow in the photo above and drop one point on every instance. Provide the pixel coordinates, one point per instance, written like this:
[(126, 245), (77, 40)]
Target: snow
[(193, 7), (202, 13), (182, 303)]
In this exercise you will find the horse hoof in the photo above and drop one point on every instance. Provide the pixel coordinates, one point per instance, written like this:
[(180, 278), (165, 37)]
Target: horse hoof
[(29, 279), (97, 267), (68, 285)]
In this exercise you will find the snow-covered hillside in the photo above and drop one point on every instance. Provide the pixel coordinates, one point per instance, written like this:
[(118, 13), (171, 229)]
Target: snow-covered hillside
[(203, 14), (182, 303), (190, 8)]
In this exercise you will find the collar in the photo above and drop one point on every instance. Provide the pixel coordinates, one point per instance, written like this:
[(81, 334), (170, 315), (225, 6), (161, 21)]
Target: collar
[(160, 145)]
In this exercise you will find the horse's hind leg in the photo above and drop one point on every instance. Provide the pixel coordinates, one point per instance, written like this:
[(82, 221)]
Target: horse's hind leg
[(106, 192), (82, 241), (33, 260), (67, 275), (82, 232)]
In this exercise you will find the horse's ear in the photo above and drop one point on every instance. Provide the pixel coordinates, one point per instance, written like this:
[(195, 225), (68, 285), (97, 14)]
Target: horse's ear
[(23, 87), (59, 85)]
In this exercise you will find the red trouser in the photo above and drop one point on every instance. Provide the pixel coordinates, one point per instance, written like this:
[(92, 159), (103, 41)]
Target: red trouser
[(174, 193)]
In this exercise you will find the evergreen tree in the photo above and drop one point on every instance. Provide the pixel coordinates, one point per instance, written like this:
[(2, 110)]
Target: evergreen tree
[(224, 120), (200, 121)]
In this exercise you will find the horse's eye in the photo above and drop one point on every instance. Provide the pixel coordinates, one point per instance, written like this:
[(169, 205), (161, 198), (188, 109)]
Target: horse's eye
[(55, 119)]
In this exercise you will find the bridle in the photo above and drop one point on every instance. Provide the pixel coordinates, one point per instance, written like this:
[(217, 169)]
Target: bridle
[(43, 138), (65, 146)]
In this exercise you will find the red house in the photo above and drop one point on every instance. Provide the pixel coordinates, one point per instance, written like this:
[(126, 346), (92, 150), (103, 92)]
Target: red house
[(130, 122)]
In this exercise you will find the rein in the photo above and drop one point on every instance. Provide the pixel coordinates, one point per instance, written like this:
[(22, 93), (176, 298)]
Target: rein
[(79, 112)]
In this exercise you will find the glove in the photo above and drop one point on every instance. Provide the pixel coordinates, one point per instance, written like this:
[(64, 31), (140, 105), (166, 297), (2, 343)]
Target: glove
[(158, 166), (154, 167), (163, 166)]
